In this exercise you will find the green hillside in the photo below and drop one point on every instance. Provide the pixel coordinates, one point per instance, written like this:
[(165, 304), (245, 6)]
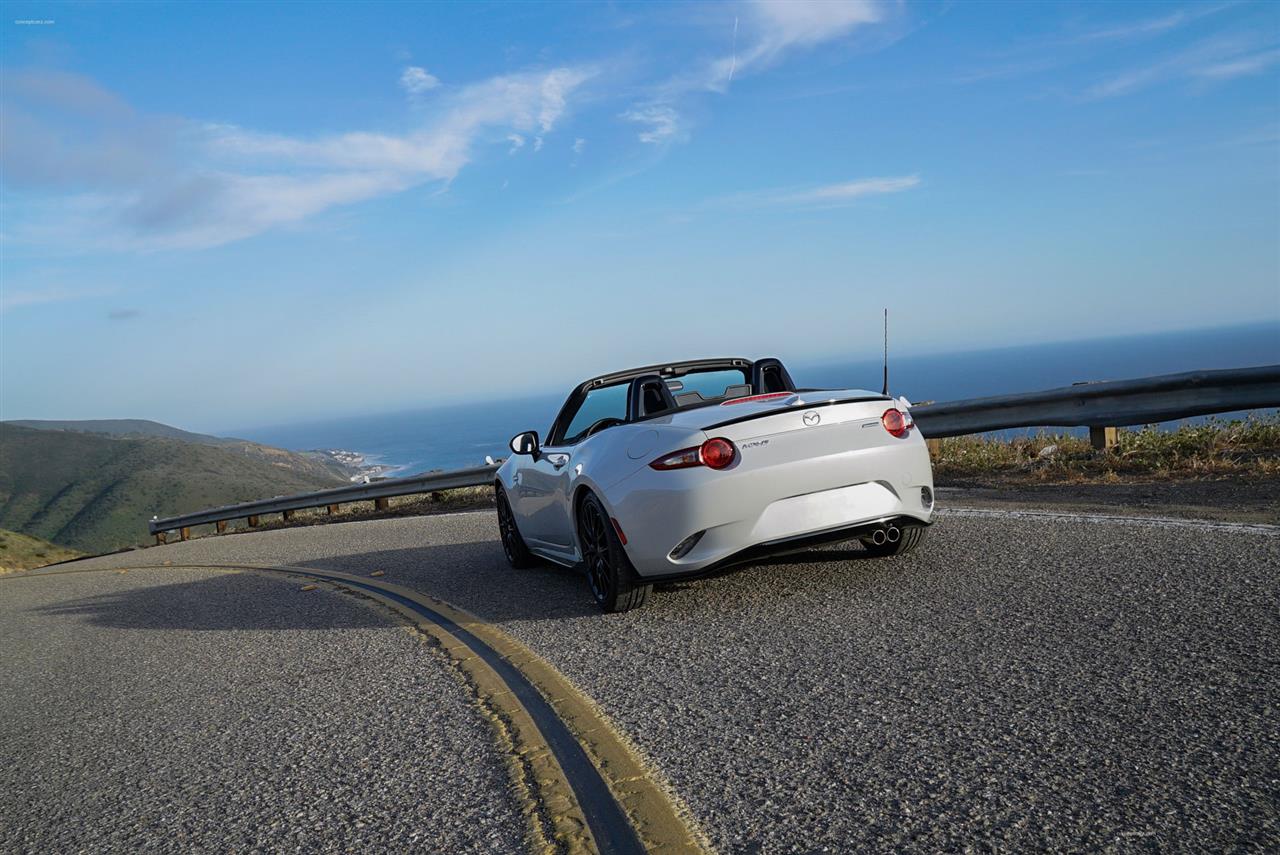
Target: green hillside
[(94, 492), (20, 552), (124, 428)]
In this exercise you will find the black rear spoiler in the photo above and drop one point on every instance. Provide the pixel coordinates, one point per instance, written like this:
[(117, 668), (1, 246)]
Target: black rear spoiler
[(806, 406)]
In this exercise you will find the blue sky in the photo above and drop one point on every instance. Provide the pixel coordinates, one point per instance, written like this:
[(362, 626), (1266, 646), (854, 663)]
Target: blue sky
[(247, 214)]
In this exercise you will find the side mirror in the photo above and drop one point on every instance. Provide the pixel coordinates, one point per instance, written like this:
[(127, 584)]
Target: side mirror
[(525, 443)]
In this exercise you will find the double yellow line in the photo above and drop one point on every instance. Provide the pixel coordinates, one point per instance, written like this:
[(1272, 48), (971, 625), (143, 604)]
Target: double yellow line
[(582, 786)]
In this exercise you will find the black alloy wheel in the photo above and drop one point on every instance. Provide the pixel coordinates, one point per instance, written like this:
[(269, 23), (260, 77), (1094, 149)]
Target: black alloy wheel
[(518, 554), (613, 580)]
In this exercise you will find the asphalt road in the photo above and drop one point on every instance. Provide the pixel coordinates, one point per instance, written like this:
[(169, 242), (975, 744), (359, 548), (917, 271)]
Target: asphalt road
[(1021, 683), (192, 711)]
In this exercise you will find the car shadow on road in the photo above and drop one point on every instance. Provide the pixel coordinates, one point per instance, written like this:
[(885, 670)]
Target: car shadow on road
[(476, 576), (229, 601)]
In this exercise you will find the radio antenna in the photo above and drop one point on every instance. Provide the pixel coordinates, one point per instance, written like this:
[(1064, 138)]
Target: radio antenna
[(885, 390)]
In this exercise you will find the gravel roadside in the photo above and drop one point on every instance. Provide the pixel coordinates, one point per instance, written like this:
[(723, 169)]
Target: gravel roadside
[(176, 710)]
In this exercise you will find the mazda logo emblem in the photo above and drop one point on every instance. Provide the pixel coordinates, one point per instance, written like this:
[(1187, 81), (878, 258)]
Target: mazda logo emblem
[(811, 418)]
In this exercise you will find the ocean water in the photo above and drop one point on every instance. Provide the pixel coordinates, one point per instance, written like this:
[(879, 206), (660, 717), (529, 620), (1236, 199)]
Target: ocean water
[(457, 436)]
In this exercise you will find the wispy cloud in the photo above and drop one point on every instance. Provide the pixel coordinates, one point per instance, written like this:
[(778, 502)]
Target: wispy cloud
[(1211, 60), (1264, 136), (773, 30), (24, 296), (1044, 55), (779, 27), (822, 196), (123, 314), (1243, 66), (661, 121), (125, 180), (415, 80), (1152, 26)]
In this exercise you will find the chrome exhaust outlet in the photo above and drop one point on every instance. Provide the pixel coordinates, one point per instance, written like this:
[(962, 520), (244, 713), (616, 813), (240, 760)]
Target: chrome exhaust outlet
[(878, 537), (893, 534)]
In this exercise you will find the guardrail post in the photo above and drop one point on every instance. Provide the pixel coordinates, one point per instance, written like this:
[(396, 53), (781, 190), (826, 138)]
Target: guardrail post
[(381, 504), (287, 515), (221, 525), (935, 447), (1104, 438), (161, 538), (333, 509), (253, 521), (186, 532)]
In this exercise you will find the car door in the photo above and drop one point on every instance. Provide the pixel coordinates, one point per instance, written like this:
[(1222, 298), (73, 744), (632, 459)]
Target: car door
[(547, 483), (543, 489)]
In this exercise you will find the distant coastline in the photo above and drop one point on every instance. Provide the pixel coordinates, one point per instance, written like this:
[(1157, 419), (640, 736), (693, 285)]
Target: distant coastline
[(359, 467), (460, 435)]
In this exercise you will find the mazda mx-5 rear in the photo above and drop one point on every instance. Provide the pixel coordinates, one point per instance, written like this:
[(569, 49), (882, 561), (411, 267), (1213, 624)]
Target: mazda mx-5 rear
[(767, 473)]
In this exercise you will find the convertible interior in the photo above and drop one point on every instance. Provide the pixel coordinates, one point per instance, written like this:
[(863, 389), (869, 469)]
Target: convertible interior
[(652, 394), (661, 389)]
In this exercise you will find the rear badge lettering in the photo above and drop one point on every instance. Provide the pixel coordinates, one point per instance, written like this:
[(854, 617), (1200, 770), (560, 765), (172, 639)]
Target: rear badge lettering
[(755, 443)]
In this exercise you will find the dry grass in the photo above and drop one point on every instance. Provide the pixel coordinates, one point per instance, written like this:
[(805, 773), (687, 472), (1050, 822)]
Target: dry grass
[(1217, 448), (23, 552)]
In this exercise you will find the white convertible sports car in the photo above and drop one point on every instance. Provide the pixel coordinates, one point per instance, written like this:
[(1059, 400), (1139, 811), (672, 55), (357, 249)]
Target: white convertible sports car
[(677, 470)]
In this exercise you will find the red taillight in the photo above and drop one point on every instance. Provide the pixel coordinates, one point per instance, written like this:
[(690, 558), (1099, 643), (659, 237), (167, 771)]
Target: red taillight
[(716, 453), (769, 396), (896, 422)]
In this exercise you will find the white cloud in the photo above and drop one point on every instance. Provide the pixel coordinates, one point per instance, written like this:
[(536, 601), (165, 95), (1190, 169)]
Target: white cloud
[(778, 27), (1152, 26), (517, 143), (415, 80), (555, 88), (850, 190), (662, 121), (209, 184), (1240, 67), (774, 29), (579, 145), (537, 143), (22, 297), (823, 196), (1211, 60)]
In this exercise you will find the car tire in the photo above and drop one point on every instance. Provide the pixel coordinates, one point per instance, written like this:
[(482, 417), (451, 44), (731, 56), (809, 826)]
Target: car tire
[(614, 582), (912, 537), (518, 555)]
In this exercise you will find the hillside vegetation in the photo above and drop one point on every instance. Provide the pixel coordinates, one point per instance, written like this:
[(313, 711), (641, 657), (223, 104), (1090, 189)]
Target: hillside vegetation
[(1215, 448), (124, 428), (95, 492), (21, 552)]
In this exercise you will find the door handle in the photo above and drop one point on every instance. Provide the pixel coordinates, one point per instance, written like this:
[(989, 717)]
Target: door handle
[(558, 460)]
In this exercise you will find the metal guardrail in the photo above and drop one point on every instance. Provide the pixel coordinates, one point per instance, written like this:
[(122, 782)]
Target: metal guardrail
[(378, 491), (1099, 406), (1108, 405)]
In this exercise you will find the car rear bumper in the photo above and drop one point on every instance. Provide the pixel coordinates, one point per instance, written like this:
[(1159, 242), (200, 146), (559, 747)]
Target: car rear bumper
[(739, 513), (787, 545)]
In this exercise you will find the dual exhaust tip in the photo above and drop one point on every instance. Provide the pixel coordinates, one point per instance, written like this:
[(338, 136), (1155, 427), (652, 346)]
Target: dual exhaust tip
[(888, 534)]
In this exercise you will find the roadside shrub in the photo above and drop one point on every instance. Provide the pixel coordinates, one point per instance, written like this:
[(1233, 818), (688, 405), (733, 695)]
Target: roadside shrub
[(1215, 447)]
